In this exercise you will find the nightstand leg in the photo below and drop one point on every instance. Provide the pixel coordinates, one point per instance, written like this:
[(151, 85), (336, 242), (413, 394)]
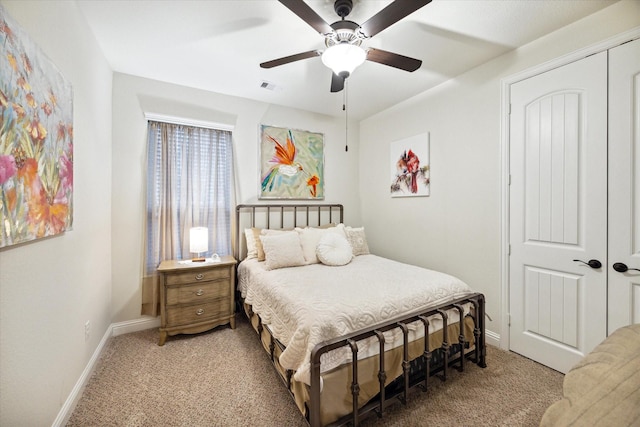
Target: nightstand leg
[(163, 338)]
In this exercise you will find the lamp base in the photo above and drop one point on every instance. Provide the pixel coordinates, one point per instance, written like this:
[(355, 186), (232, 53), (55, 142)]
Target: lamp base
[(198, 259)]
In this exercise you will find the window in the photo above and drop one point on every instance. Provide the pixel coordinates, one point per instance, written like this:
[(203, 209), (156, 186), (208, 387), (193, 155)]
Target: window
[(189, 183)]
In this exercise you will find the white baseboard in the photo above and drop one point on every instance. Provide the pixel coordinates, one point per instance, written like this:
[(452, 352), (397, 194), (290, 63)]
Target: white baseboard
[(492, 338), (113, 330), (136, 325)]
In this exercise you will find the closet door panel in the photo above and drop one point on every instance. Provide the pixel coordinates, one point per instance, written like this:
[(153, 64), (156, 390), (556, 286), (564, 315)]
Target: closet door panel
[(624, 185), (558, 213)]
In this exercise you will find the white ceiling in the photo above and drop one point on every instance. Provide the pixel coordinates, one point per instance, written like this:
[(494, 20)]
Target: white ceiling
[(217, 45)]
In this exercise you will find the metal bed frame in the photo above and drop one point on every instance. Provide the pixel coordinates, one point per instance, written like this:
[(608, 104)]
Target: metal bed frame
[(451, 354)]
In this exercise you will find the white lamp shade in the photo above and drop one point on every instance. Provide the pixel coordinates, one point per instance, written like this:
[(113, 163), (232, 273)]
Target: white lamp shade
[(343, 58), (199, 239)]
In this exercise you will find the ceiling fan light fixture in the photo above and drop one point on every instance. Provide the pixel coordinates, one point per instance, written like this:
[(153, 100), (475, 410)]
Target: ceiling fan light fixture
[(343, 58)]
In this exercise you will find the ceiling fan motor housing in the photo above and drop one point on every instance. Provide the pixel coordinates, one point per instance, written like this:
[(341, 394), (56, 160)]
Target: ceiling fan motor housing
[(343, 7)]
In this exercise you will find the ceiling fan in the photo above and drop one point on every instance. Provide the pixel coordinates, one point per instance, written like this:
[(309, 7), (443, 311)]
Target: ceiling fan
[(343, 38)]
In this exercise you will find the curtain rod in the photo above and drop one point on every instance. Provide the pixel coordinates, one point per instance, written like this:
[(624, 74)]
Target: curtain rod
[(187, 122)]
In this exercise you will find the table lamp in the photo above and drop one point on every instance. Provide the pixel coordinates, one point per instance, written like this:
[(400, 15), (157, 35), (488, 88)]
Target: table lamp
[(198, 242)]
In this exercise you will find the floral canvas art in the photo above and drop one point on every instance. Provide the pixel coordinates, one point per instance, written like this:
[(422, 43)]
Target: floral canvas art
[(291, 163), (36, 141), (410, 167)]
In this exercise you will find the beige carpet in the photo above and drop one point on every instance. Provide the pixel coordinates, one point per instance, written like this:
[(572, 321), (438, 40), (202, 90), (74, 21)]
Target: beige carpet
[(223, 378)]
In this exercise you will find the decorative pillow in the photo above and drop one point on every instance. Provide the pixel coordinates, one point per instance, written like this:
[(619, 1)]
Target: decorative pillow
[(257, 232), (252, 250), (282, 250), (309, 238), (334, 249), (358, 240), (340, 229)]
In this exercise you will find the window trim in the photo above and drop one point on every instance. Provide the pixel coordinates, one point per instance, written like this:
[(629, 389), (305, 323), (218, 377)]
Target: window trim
[(175, 120)]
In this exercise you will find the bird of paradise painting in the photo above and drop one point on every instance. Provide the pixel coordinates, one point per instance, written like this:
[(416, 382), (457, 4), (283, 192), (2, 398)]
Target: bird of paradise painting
[(410, 167), (36, 141), (291, 163)]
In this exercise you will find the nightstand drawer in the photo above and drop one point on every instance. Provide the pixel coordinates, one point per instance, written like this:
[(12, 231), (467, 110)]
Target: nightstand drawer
[(198, 312), (197, 276), (198, 292)]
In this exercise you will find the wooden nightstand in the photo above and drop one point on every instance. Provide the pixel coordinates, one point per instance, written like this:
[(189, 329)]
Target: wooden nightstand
[(196, 297)]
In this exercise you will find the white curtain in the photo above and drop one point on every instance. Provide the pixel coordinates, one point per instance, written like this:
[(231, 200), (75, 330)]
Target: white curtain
[(189, 184)]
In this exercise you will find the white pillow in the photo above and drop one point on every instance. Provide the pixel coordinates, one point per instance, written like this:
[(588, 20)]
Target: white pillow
[(309, 238), (282, 250), (252, 251), (358, 240), (334, 249), (257, 232)]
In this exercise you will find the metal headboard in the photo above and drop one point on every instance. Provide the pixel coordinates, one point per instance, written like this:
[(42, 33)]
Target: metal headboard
[(283, 216)]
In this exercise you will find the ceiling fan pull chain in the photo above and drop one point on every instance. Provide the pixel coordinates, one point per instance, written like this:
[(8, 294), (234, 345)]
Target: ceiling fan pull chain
[(346, 118)]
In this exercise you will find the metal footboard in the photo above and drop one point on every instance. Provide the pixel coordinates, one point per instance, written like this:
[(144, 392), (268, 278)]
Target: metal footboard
[(382, 401)]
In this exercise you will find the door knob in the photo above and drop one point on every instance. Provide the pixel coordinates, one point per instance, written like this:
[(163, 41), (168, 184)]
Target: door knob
[(621, 267), (593, 263)]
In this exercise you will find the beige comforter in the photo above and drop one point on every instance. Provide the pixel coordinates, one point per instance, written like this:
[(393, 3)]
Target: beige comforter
[(604, 388), (306, 305)]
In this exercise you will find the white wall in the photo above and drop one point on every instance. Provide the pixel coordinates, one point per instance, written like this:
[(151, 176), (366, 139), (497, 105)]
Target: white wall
[(49, 288), (133, 96), (457, 229)]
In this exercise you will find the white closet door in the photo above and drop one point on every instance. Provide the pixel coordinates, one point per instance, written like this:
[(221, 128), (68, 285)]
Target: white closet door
[(558, 212), (624, 184)]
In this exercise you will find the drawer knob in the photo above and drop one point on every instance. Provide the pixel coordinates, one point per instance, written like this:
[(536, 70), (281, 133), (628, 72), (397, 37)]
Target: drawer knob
[(199, 292), (199, 276), (200, 312)]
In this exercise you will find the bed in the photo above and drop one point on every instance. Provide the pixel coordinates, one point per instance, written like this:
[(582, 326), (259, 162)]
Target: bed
[(325, 309)]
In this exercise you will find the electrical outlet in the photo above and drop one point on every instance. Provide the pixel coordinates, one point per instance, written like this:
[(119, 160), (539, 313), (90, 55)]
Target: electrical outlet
[(87, 330)]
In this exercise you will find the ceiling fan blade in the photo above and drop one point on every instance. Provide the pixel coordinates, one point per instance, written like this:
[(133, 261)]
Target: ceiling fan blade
[(393, 59), (291, 58), (390, 15), (337, 83), (308, 15)]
